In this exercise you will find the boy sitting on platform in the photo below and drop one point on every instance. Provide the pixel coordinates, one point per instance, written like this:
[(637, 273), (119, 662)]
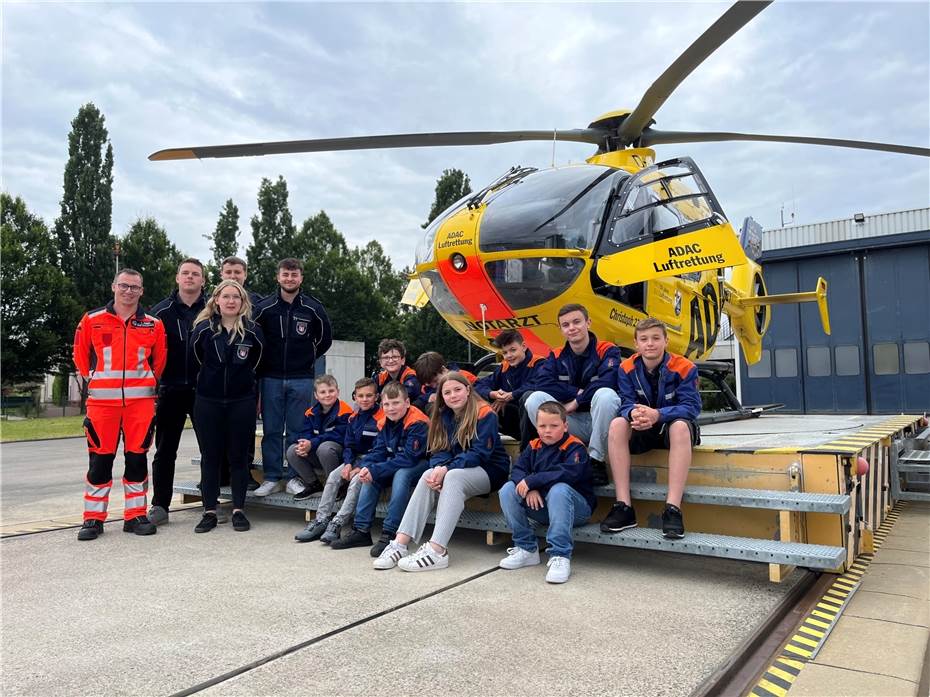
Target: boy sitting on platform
[(361, 432), (396, 461), (660, 407), (431, 366), (550, 483), (505, 388), (319, 445), (392, 355)]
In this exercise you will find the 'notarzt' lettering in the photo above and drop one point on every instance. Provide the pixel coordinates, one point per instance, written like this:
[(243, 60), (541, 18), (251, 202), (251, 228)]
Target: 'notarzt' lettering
[(512, 323)]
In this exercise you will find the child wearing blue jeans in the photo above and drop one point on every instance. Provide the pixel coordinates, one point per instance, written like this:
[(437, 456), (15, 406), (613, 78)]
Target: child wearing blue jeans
[(550, 483)]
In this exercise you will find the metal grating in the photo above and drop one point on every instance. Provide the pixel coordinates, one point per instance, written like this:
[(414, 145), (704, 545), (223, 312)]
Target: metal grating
[(743, 498)]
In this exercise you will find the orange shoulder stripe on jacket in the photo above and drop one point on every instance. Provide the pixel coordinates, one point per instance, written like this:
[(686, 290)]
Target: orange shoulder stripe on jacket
[(534, 360), (571, 440), (536, 444), (679, 364), (413, 416), (344, 408), (628, 364), (407, 372), (603, 347), (483, 410), (309, 412)]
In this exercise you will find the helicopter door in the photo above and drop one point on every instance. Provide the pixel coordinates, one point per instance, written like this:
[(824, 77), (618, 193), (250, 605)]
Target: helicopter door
[(665, 221)]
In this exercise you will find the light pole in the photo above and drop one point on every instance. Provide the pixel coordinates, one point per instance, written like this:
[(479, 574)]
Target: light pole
[(116, 251)]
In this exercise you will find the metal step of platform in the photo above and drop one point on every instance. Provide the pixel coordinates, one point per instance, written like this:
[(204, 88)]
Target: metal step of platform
[(910, 469), (742, 498), (724, 546)]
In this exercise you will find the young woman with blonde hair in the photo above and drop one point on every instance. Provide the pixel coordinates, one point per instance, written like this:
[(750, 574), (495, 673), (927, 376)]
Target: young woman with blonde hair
[(228, 346), (466, 459)]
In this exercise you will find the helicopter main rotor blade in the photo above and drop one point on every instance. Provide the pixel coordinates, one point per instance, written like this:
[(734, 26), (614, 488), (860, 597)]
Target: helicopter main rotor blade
[(729, 23), (654, 137), (403, 140)]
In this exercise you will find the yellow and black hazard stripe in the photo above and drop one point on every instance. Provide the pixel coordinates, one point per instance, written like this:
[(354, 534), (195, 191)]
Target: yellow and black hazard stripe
[(852, 443), (813, 631)]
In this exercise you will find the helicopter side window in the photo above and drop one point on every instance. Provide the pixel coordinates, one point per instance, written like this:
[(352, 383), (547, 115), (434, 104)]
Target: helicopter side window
[(528, 282)]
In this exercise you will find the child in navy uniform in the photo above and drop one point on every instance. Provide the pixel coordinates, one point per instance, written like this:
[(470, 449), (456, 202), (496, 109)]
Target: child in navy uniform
[(360, 437), (512, 380), (391, 355), (430, 367), (396, 460), (550, 483), (660, 408), (318, 449)]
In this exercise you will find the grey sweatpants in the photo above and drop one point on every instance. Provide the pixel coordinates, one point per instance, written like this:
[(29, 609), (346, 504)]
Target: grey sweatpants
[(325, 458), (331, 490), (457, 486)]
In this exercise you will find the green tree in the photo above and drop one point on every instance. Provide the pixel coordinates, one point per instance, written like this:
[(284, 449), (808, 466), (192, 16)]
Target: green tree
[(273, 236), (82, 229), (225, 240), (147, 249), (450, 187), (38, 310), (424, 329)]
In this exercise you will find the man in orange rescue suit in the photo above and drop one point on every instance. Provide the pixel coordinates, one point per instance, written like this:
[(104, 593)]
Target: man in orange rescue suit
[(121, 352)]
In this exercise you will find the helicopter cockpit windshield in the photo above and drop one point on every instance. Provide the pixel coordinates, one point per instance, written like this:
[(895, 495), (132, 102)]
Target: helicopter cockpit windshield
[(667, 199), (558, 208), (424, 252)]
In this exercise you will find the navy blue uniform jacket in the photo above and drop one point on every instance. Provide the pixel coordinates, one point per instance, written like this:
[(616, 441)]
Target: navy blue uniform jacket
[(678, 396), (518, 379), (400, 444), (485, 450), (326, 426), (296, 334), (228, 371), (360, 434), (407, 378), (543, 466), (425, 390), (567, 376), (178, 318)]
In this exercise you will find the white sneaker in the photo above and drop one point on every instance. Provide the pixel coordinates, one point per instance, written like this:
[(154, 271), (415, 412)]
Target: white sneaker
[(268, 487), (392, 554), (560, 568), (294, 486), (424, 559), (517, 558)]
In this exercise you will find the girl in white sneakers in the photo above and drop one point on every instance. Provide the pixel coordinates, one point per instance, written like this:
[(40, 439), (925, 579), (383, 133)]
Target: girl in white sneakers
[(466, 459)]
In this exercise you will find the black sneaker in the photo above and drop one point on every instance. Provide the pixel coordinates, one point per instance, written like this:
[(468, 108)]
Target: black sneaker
[(312, 488), (207, 523), (621, 517), (356, 538), (382, 543), (240, 522), (673, 525), (252, 485), (598, 473), (90, 530), (140, 525)]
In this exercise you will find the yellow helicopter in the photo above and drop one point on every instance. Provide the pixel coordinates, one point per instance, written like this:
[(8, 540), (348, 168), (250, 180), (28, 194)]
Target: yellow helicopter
[(626, 236)]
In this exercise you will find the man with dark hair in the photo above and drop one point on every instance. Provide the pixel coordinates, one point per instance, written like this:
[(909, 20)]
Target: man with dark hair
[(120, 351), (582, 376), (510, 383), (235, 269), (297, 332), (661, 405), (176, 388)]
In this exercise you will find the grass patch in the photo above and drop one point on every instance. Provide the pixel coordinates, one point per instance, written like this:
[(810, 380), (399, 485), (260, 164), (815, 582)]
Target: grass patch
[(37, 429)]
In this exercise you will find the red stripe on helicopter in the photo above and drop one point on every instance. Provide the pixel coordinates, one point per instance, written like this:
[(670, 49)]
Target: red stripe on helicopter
[(472, 288)]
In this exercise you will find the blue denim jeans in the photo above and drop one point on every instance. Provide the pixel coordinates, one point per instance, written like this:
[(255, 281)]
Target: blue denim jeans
[(283, 405), (565, 508), (401, 488)]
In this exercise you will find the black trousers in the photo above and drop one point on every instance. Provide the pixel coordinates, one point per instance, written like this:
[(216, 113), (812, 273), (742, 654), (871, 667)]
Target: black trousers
[(171, 411), (226, 432)]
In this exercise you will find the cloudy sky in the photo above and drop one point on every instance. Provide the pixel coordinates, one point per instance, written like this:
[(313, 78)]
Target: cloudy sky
[(182, 74)]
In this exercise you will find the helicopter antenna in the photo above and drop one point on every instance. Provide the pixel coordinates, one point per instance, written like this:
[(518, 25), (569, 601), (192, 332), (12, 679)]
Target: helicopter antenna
[(555, 133)]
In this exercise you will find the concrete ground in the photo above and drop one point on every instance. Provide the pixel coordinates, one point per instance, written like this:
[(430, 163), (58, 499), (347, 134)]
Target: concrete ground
[(879, 644), (161, 614)]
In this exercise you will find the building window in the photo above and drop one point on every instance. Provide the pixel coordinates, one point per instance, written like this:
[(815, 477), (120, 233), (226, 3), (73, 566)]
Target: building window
[(885, 358), (762, 369), (916, 357), (847, 360), (786, 363), (818, 361)]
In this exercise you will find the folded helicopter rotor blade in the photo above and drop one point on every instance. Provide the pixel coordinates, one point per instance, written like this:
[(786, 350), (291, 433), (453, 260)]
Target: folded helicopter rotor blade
[(734, 19), (654, 137), (402, 140)]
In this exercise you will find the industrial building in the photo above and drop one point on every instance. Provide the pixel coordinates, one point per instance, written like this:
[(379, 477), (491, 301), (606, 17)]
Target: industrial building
[(877, 359)]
